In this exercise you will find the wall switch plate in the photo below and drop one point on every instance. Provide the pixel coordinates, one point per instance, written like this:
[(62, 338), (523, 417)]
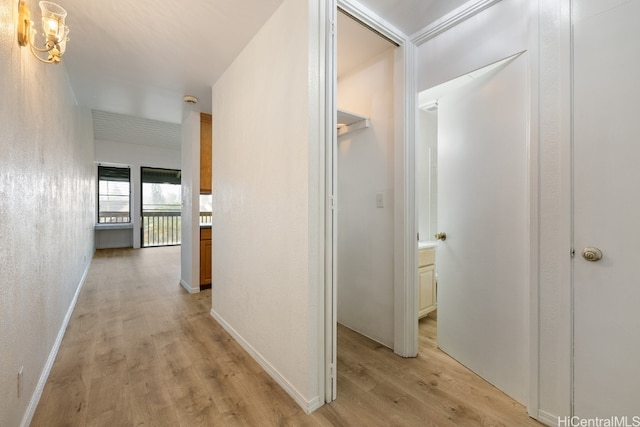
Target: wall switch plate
[(380, 200)]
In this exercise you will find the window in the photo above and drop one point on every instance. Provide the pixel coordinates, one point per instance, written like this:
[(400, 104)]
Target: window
[(114, 194)]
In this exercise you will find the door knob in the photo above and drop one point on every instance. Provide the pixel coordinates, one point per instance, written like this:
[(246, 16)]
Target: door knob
[(592, 254), (441, 236)]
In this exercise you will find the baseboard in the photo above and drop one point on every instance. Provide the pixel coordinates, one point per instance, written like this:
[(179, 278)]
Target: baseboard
[(547, 419), (307, 405), (189, 288), (44, 376)]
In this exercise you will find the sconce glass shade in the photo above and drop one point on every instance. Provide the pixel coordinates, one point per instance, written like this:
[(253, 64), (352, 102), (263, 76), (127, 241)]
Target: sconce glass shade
[(53, 17), (54, 30), (63, 42)]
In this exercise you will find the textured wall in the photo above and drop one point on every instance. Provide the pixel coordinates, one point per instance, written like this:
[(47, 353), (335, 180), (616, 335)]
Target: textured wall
[(262, 209), (365, 232), (47, 186)]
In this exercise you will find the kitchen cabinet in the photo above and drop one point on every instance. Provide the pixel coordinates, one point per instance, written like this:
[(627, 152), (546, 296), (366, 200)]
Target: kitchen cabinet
[(205, 257), (206, 148), (426, 281)]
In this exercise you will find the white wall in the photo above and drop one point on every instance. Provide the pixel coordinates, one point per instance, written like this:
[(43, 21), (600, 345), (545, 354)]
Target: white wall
[(47, 205), (365, 232), (190, 251), (135, 156), (426, 173), (267, 216), (488, 37)]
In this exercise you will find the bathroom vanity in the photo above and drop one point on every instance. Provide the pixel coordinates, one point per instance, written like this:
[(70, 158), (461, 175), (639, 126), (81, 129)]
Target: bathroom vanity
[(426, 278)]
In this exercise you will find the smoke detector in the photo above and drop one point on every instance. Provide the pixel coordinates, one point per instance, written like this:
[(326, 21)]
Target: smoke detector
[(190, 99)]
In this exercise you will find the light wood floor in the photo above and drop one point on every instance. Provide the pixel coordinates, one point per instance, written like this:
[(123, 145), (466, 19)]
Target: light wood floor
[(140, 351)]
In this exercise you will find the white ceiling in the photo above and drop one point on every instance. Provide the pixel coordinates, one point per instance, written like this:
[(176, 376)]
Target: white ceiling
[(356, 44), (139, 58), (410, 16)]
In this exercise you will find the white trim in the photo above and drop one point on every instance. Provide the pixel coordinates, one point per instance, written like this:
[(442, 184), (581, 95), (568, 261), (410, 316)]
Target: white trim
[(547, 418), (188, 287), (533, 400), (330, 179), (307, 405), (406, 223), (451, 19), (319, 126), (44, 375), (368, 17)]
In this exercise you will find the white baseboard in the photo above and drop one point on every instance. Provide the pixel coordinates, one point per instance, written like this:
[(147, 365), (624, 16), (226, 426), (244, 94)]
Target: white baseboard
[(547, 419), (307, 405), (189, 288), (44, 376)]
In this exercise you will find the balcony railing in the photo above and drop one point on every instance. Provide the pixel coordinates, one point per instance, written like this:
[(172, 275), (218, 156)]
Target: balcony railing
[(110, 217), (205, 217), (161, 228)]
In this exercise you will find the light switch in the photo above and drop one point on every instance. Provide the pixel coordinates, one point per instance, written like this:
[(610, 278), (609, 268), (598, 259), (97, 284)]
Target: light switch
[(379, 200)]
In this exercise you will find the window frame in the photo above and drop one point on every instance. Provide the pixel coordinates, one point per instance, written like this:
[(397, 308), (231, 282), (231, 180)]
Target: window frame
[(99, 179)]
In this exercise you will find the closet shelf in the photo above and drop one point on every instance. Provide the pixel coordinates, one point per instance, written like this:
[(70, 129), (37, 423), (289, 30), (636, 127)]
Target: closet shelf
[(348, 122)]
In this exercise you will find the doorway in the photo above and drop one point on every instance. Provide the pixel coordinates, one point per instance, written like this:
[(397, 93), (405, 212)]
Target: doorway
[(482, 206), (161, 207), (365, 178)]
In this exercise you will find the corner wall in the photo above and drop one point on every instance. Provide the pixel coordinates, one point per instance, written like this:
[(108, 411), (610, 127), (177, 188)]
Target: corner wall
[(190, 246), (47, 213), (266, 187)]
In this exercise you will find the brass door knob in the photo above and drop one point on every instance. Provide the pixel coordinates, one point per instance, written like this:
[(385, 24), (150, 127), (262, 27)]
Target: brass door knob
[(592, 254), (441, 236)]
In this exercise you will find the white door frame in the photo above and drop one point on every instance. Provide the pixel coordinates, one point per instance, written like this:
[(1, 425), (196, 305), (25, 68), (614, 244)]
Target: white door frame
[(405, 221), (331, 220)]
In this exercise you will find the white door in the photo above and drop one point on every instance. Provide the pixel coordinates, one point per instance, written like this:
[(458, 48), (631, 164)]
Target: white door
[(483, 209), (607, 208)]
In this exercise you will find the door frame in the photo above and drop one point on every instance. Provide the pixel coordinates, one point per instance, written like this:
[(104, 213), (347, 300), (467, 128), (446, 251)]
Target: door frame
[(405, 221)]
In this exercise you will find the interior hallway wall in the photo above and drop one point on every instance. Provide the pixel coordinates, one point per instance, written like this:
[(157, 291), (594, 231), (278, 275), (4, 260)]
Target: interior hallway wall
[(365, 232), (47, 213), (267, 216)]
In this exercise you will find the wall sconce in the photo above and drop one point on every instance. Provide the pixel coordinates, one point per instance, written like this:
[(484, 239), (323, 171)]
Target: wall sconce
[(54, 30)]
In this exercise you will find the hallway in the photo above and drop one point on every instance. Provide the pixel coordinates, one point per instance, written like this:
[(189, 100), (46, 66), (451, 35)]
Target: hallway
[(139, 350)]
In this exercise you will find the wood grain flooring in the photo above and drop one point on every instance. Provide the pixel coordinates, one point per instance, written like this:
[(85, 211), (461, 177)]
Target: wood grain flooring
[(140, 351)]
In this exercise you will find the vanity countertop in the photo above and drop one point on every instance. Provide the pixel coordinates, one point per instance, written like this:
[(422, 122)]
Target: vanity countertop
[(423, 244)]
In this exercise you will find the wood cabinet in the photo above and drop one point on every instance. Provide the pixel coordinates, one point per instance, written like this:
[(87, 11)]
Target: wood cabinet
[(206, 148), (426, 281), (205, 257)]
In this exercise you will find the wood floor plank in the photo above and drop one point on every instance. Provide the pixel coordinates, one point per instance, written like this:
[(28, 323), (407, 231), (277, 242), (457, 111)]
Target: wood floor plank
[(140, 351)]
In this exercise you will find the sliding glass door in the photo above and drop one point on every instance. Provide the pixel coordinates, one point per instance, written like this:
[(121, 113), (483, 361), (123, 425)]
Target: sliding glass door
[(161, 207)]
